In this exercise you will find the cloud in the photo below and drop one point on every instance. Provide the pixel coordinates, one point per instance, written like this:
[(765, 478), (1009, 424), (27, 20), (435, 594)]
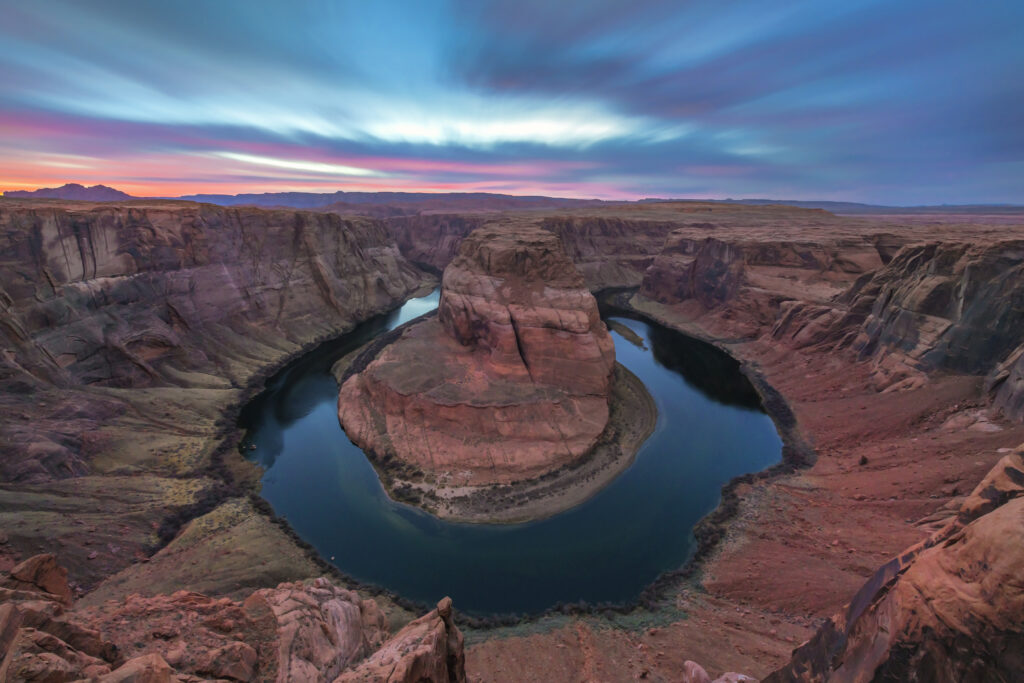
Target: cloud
[(907, 102), (317, 167)]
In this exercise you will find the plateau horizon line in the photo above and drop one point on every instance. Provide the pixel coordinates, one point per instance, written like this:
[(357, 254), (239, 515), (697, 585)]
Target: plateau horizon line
[(73, 191)]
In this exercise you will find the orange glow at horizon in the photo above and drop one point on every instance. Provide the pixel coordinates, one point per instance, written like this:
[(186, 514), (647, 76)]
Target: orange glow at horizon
[(169, 177)]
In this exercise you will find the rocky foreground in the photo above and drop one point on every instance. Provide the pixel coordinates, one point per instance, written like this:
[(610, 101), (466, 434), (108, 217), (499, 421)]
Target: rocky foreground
[(303, 631), (131, 332), (509, 382)]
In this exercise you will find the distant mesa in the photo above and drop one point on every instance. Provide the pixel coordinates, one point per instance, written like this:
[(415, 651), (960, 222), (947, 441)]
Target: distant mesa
[(74, 191), (511, 379)]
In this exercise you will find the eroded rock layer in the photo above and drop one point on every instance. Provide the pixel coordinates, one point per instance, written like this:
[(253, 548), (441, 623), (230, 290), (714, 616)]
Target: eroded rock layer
[(511, 380), (128, 331), (299, 631)]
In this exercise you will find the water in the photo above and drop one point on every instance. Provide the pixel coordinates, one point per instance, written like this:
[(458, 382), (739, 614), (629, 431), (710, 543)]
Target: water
[(710, 429)]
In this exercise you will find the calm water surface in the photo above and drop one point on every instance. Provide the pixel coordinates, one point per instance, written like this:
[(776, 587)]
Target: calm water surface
[(710, 429)]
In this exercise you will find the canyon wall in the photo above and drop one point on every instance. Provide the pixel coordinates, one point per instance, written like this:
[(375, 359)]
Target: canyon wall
[(174, 295), (609, 251), (128, 336), (432, 240), (133, 297), (1006, 385), (941, 306), (740, 287), (950, 306)]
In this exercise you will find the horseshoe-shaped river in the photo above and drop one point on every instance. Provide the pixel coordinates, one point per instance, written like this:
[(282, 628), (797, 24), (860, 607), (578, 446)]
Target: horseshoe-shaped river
[(711, 427)]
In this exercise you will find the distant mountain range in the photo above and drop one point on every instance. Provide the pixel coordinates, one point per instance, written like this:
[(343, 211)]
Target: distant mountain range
[(96, 193), (411, 202)]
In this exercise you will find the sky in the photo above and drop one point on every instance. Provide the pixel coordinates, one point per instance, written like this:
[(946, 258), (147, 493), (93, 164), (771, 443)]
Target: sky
[(883, 101)]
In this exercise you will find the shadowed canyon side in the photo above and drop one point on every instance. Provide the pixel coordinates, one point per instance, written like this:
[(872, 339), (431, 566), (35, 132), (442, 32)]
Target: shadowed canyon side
[(509, 382), (171, 297)]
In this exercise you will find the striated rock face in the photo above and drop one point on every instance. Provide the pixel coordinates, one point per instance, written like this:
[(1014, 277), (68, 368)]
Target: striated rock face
[(610, 251), (516, 297), (134, 297), (951, 306), (41, 573), (511, 380), (948, 609), (172, 295), (940, 306), (432, 240), (710, 271), (321, 629), (745, 287), (297, 632), (128, 332)]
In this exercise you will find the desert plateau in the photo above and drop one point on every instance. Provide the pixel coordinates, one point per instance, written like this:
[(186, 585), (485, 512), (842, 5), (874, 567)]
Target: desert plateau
[(506, 342)]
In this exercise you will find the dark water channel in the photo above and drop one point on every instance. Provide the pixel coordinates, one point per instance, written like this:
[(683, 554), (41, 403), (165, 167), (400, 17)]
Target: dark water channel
[(710, 429)]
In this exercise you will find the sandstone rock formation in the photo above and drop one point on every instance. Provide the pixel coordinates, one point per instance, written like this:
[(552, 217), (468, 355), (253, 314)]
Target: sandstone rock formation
[(610, 251), (948, 609), (510, 381), (40, 573), (432, 240), (709, 271), (301, 631), (427, 649), (910, 310), (950, 306), (956, 307), (744, 287)]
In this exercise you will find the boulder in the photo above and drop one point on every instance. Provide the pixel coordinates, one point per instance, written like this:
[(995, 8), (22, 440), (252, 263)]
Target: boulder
[(41, 573), (149, 668), (321, 628), (427, 649)]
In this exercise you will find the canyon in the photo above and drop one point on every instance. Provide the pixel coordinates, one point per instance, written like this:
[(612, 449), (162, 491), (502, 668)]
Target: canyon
[(133, 332)]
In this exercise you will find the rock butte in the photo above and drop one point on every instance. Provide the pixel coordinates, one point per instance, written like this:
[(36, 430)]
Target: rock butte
[(510, 380)]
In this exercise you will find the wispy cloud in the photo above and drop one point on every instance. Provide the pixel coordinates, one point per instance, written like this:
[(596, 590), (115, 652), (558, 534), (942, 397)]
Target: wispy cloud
[(907, 102)]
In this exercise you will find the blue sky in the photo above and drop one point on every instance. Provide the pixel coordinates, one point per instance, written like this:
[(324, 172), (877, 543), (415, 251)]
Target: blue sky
[(897, 102)]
